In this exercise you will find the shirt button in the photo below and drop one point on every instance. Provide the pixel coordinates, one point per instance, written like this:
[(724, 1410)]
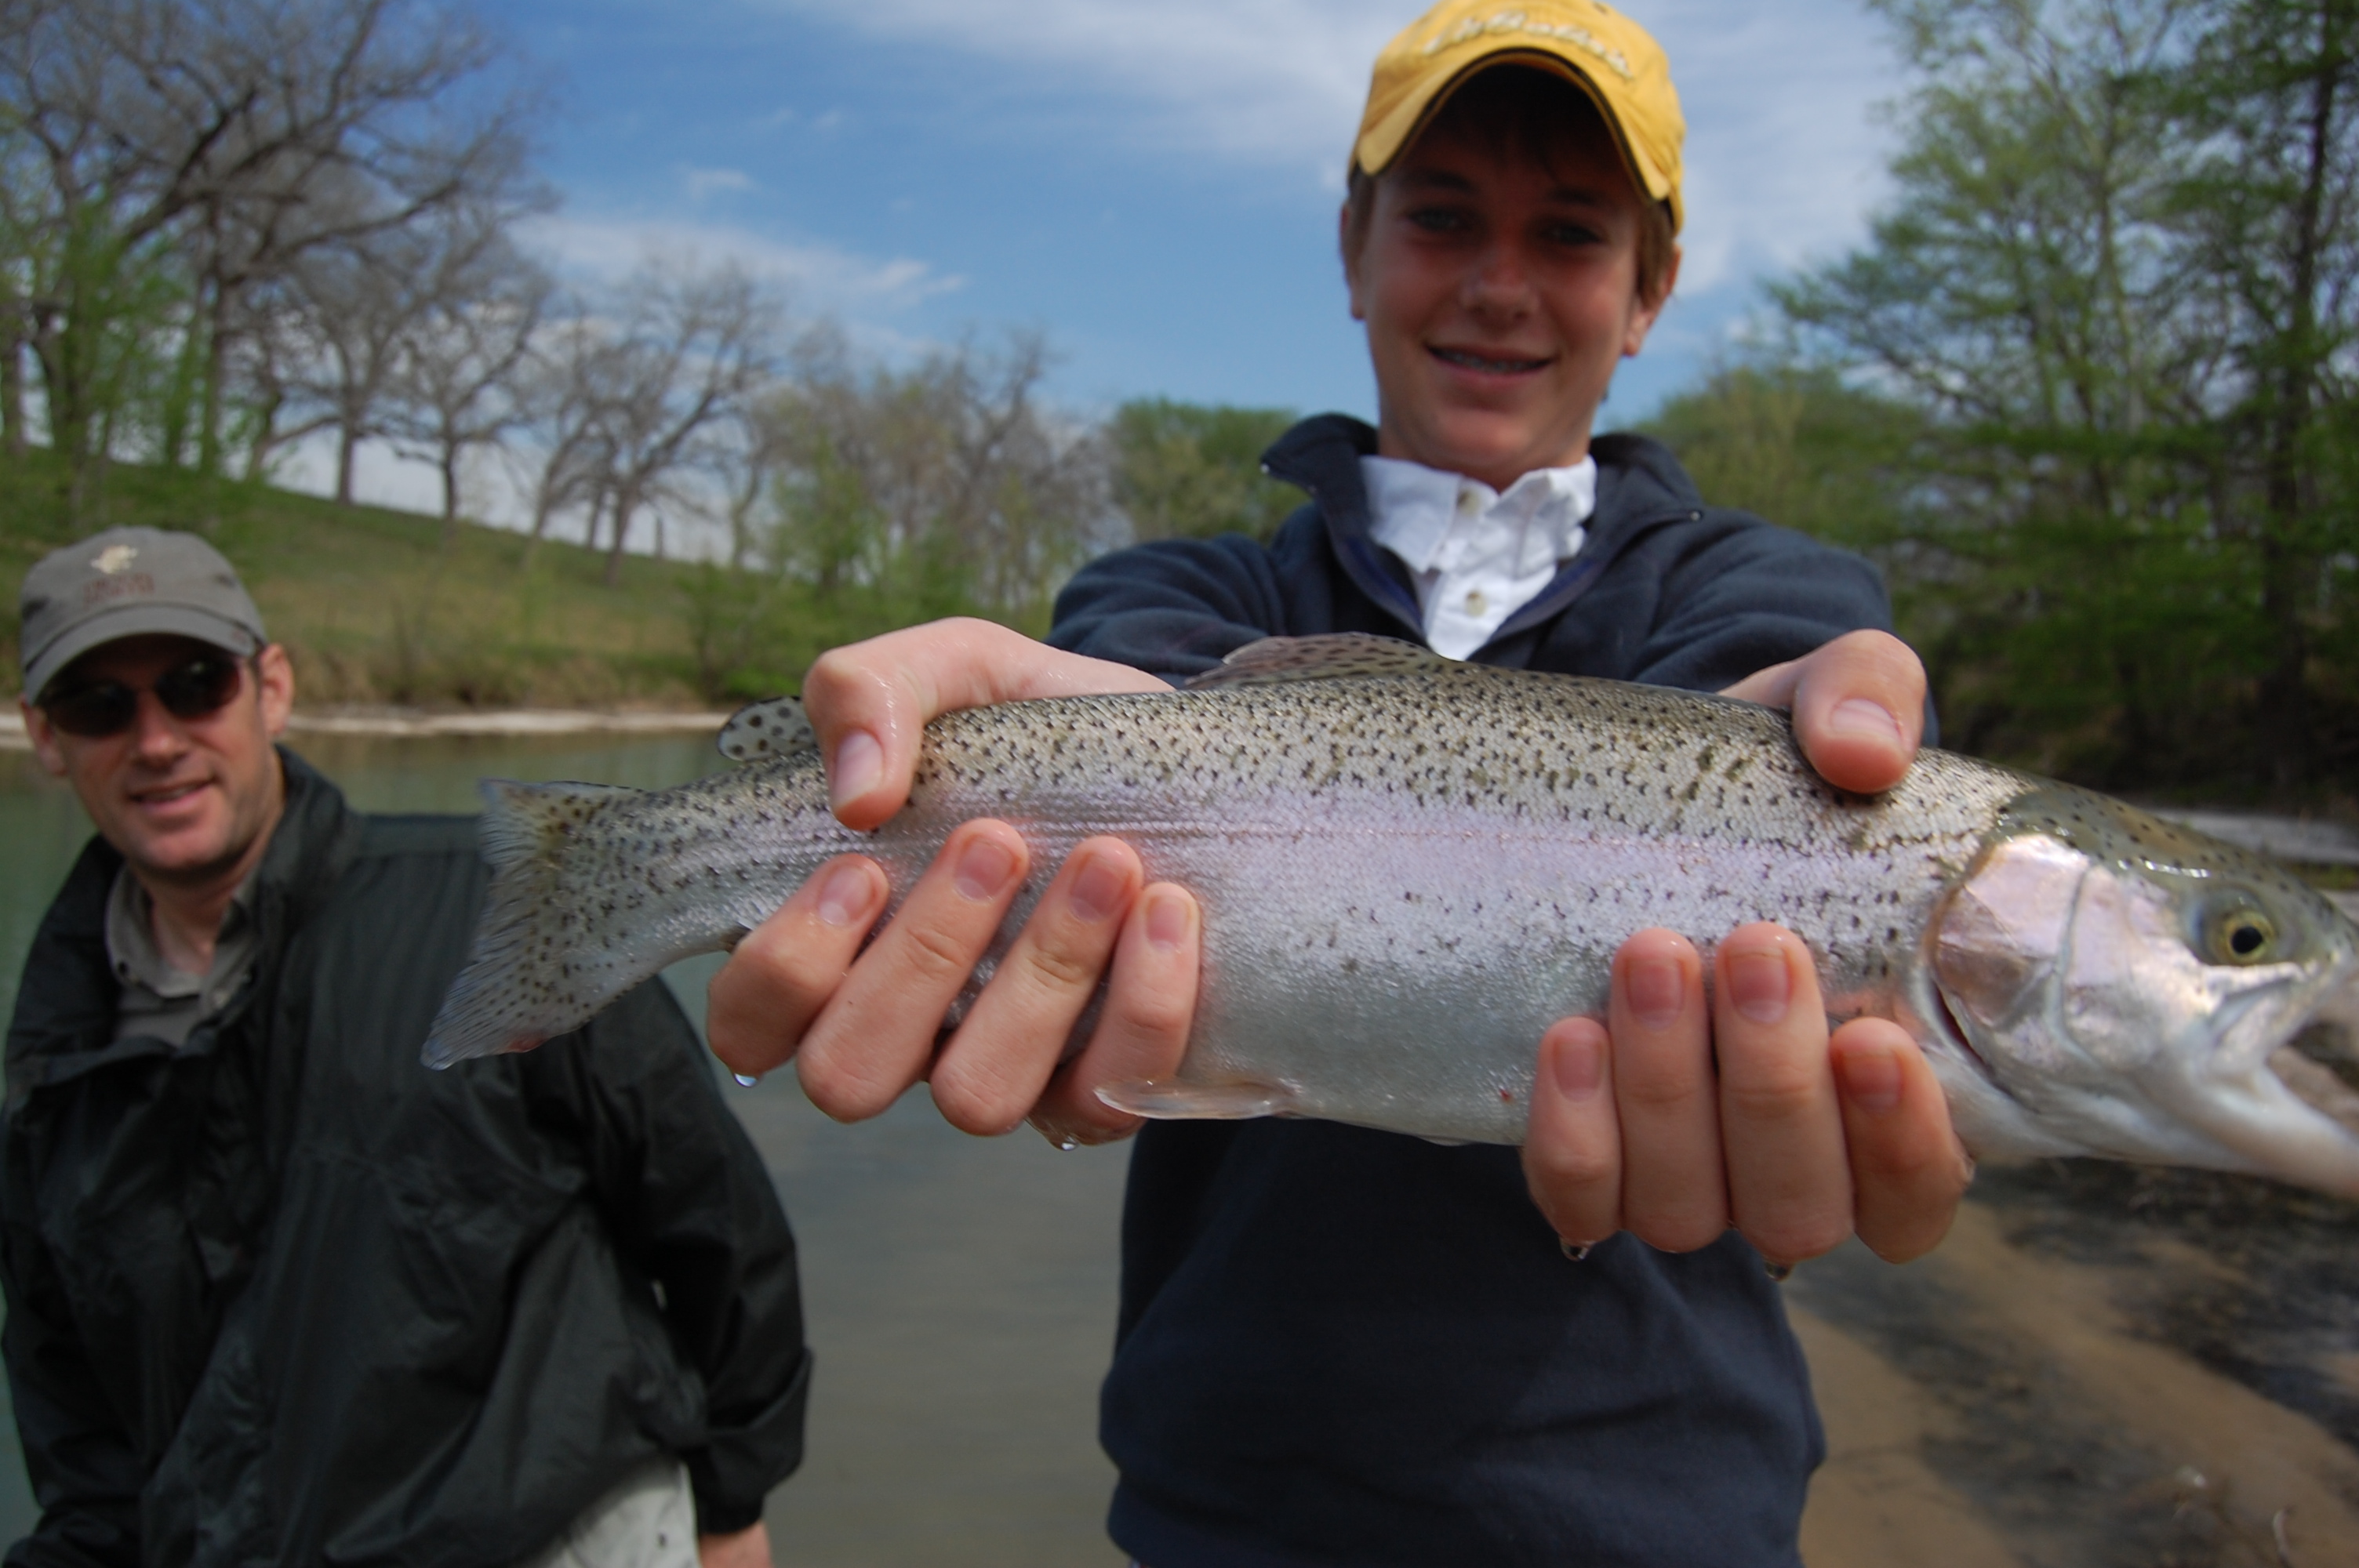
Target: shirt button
[(1475, 601), (1469, 502)]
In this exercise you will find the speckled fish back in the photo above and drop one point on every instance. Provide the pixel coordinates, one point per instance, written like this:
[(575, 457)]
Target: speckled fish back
[(1407, 875)]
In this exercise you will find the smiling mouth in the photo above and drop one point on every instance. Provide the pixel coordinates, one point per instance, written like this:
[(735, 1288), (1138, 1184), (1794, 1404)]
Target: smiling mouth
[(1465, 361), (169, 794)]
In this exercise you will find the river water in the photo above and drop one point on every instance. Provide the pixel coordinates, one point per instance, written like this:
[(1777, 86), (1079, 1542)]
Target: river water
[(2101, 1367)]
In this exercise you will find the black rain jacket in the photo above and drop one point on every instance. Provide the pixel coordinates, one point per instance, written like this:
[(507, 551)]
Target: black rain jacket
[(285, 1296)]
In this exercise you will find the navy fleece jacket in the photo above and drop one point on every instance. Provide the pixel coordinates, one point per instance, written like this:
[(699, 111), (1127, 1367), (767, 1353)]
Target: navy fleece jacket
[(1345, 1346)]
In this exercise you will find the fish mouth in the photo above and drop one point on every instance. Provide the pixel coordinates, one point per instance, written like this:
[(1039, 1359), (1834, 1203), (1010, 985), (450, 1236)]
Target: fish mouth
[(2320, 1065), (1941, 1020), (2332, 1043)]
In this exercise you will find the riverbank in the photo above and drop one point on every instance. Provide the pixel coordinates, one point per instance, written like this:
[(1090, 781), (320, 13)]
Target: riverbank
[(379, 609)]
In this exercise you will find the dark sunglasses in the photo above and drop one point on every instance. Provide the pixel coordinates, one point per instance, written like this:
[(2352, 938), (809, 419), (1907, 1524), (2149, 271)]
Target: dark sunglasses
[(196, 688)]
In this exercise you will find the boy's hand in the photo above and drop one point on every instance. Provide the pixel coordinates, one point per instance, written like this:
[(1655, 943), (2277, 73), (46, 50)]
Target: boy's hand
[(1686, 1114), (1858, 705), (861, 1026)]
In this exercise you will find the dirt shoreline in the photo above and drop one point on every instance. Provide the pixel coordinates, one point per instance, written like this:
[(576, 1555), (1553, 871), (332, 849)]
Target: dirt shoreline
[(2103, 1366)]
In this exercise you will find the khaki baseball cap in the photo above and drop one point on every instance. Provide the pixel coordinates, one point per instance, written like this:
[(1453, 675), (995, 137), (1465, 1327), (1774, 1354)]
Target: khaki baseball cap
[(1597, 48), (129, 582)]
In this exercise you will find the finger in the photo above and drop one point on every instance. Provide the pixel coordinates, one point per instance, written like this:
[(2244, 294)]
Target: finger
[(1908, 1168), (1674, 1193), (1151, 1004), (876, 1036), (1789, 1176), (1858, 703), (785, 969), (869, 702), (1573, 1146), (992, 1071)]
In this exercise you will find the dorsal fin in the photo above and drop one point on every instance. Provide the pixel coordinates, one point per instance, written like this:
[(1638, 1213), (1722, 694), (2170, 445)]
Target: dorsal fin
[(774, 726), (1334, 656)]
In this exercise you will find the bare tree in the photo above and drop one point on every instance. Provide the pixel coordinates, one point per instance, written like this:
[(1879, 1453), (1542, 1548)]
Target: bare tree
[(463, 357), (218, 126), (690, 348), (561, 390), (353, 305), (950, 476)]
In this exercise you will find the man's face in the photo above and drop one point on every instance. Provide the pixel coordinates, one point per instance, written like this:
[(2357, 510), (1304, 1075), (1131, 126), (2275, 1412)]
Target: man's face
[(1498, 298), (184, 799)]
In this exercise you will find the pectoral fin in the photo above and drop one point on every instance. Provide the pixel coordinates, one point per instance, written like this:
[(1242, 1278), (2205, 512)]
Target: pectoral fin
[(1199, 1102)]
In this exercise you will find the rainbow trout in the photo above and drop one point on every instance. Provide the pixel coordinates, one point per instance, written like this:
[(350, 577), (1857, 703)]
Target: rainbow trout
[(1410, 867)]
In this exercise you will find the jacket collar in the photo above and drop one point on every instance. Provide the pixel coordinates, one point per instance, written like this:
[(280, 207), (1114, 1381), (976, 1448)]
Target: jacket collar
[(1321, 456), (1640, 487), (65, 1013)]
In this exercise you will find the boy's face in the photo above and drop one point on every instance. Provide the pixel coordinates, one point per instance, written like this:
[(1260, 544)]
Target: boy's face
[(1498, 298)]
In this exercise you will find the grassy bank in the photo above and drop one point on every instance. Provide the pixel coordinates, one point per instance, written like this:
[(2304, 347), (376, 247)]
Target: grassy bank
[(374, 610)]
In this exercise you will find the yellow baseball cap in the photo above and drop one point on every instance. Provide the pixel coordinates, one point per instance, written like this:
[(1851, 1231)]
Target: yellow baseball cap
[(1597, 48)]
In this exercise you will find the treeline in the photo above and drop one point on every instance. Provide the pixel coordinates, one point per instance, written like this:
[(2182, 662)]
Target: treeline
[(230, 227), (206, 211), (2088, 393)]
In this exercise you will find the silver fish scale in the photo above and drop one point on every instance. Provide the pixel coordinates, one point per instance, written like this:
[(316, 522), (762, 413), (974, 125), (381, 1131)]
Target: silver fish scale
[(1387, 864)]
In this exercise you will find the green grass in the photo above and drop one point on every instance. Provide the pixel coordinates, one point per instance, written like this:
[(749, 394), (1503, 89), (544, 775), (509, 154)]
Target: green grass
[(374, 610)]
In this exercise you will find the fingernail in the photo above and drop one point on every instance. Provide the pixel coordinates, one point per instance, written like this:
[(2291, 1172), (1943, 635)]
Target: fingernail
[(1097, 890), (1579, 1066), (1870, 1076), (1758, 983), (843, 897), (984, 868), (1655, 987), (1858, 718), (859, 768), (1167, 921)]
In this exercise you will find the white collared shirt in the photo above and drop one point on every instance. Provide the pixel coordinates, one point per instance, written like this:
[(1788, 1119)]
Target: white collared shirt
[(1477, 555)]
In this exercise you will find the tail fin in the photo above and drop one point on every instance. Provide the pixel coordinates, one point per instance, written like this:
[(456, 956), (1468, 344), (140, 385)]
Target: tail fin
[(513, 992)]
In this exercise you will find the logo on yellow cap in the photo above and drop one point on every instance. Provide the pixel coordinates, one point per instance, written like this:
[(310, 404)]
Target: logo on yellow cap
[(1609, 56), (1505, 22)]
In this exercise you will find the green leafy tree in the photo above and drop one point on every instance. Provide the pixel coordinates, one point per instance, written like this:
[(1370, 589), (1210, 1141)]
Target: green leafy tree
[(2115, 282), (2268, 211), (1193, 470), (1798, 445)]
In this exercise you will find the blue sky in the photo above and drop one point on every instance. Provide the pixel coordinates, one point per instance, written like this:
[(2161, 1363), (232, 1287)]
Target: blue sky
[(1153, 182)]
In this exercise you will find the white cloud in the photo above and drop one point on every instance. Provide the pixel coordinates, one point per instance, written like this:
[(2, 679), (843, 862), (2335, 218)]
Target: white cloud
[(1783, 157), (818, 277), (703, 183), (1269, 80)]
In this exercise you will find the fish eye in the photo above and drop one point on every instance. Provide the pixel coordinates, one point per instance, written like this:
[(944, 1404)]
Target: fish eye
[(2239, 933)]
